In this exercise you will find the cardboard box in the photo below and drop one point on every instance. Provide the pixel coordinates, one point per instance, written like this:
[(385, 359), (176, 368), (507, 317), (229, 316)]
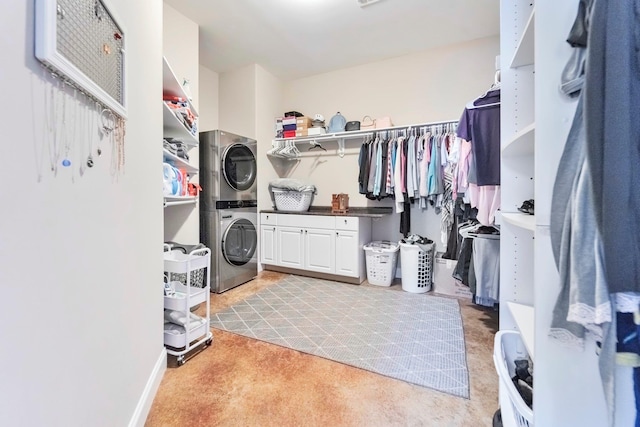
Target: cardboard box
[(443, 282), (303, 132), (303, 122)]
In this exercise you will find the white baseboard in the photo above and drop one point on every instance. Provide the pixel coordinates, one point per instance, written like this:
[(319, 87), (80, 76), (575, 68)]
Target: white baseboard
[(151, 388)]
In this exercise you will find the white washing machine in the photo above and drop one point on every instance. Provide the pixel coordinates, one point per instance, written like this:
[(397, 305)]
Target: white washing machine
[(234, 243)]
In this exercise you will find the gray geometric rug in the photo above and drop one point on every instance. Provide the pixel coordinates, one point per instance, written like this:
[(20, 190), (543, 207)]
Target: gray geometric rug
[(411, 337)]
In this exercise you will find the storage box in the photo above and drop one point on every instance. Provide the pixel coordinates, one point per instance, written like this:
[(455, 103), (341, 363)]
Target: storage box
[(303, 122), (316, 131), (289, 133), (288, 121), (444, 283), (302, 132), (339, 203)]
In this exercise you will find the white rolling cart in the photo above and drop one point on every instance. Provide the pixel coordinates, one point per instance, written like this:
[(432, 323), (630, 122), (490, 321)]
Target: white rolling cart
[(187, 295)]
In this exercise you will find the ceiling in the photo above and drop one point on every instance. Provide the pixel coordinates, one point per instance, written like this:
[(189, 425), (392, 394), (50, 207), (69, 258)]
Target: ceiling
[(298, 38)]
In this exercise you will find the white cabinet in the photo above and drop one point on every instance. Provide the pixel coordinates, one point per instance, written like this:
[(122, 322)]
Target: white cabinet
[(347, 253), (290, 247), (319, 250), (268, 239), (307, 244)]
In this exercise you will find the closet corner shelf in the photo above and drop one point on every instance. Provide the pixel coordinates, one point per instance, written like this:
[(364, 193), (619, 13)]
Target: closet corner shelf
[(172, 86), (522, 143), (521, 220), (179, 200), (179, 162), (524, 54), (173, 128), (523, 315)]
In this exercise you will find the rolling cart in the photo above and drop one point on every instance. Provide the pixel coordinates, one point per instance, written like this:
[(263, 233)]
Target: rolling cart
[(189, 279)]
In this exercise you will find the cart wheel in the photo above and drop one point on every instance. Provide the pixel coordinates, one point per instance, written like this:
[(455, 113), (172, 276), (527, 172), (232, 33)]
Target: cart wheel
[(180, 360), (208, 342)]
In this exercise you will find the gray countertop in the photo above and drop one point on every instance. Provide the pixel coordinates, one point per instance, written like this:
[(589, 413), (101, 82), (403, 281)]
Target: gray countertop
[(374, 212)]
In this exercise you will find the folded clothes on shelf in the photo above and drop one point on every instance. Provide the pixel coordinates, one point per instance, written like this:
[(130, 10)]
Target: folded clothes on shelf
[(180, 318), (176, 147)]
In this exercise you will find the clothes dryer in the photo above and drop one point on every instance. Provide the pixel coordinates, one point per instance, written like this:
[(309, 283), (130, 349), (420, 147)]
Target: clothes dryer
[(228, 168)]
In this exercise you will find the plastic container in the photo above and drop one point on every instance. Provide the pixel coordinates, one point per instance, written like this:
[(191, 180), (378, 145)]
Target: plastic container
[(381, 258), (296, 201), (507, 347), (417, 267)]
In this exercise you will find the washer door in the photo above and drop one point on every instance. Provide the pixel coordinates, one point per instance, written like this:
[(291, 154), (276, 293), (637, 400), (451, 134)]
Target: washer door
[(239, 242), (239, 167)]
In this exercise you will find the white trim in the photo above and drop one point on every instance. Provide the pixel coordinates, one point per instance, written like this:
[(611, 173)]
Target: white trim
[(150, 389)]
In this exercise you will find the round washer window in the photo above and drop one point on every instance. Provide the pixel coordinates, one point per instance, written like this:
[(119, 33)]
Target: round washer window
[(239, 167), (239, 242)]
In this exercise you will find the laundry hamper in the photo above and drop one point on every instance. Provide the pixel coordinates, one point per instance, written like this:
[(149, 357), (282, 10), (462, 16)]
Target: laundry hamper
[(381, 258), (507, 347), (296, 201), (417, 266)]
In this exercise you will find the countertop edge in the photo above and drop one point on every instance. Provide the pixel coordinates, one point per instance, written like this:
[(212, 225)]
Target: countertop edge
[(326, 211)]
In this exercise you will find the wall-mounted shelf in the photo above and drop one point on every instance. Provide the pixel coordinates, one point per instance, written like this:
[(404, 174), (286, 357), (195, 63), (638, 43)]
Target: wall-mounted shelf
[(362, 133), (179, 200), (524, 318), (522, 143), (179, 162), (524, 54), (521, 220), (173, 128), (172, 86)]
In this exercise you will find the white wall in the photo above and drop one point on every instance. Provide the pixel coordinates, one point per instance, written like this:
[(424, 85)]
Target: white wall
[(237, 103), (80, 258), (268, 106), (424, 87), (180, 47), (209, 94)]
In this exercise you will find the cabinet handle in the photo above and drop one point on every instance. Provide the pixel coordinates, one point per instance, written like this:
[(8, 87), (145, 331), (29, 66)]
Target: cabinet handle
[(300, 231), (274, 229), (305, 231)]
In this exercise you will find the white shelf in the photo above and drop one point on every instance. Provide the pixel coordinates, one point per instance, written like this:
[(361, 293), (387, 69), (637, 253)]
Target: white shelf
[(360, 133), (521, 220), (179, 200), (173, 128), (524, 54), (524, 318), (522, 143), (179, 162), (172, 86)]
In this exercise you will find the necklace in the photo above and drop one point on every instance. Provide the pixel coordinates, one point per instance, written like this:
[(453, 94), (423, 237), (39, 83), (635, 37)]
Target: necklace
[(67, 140), (52, 111), (87, 123), (95, 126)]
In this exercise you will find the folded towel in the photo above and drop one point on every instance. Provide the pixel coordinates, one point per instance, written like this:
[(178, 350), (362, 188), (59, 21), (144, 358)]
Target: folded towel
[(179, 318), (291, 185)]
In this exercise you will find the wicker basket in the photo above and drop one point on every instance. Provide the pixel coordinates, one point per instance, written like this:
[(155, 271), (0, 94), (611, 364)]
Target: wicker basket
[(297, 201)]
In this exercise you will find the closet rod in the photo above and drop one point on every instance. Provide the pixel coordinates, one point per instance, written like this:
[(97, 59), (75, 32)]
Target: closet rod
[(361, 133)]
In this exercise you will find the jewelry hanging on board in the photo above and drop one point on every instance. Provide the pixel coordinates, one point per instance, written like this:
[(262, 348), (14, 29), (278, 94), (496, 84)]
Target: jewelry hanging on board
[(88, 123), (95, 126)]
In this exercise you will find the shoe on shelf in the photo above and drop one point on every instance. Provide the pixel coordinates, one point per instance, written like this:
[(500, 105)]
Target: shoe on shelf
[(527, 207)]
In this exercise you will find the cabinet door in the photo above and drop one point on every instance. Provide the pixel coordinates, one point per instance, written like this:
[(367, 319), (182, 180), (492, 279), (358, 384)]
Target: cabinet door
[(290, 247), (347, 253), (320, 250), (268, 244)]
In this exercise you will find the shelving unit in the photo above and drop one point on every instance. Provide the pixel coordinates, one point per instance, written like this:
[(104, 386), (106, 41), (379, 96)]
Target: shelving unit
[(522, 220), (179, 200), (179, 162), (173, 128), (524, 53), (522, 143), (535, 122)]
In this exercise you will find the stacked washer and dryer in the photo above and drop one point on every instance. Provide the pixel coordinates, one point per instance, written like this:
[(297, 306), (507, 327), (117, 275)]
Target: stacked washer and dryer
[(229, 207)]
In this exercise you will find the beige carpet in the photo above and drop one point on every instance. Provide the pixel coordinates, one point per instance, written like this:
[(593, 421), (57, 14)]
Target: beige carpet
[(242, 381)]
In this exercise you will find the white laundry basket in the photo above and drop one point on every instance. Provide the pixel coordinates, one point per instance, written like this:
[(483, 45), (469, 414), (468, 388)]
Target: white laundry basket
[(417, 267), (381, 259), (507, 347)]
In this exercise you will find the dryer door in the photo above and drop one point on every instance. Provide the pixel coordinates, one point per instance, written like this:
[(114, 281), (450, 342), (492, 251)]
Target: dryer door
[(239, 242), (239, 167)]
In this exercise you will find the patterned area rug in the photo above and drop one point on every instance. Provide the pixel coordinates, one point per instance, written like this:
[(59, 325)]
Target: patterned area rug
[(410, 337)]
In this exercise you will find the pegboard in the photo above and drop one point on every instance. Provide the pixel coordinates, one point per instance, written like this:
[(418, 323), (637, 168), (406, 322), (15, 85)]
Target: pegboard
[(82, 41)]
